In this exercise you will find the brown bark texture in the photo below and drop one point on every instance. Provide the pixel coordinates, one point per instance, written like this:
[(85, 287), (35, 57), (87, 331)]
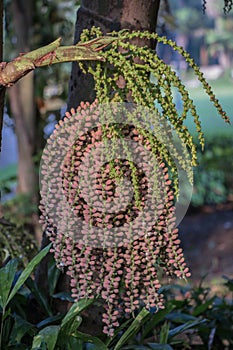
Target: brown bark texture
[(23, 110), (2, 89), (109, 16), (22, 101)]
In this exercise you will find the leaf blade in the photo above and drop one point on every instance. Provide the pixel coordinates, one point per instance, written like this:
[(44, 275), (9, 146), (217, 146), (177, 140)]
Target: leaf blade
[(7, 274), (75, 310), (28, 270), (133, 328)]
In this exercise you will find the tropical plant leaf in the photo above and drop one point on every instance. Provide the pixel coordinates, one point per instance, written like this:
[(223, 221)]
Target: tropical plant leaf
[(160, 346), (133, 328), (71, 326), (20, 328), (39, 343), (135, 347), (164, 333), (180, 317), (41, 299), (63, 296), (117, 331), (47, 335), (28, 270), (75, 310), (178, 330), (49, 321), (96, 343), (203, 307), (155, 319), (53, 276), (7, 274), (74, 343), (229, 283), (6, 314)]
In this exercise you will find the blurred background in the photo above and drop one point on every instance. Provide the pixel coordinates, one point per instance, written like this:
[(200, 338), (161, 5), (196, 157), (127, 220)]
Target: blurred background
[(37, 102)]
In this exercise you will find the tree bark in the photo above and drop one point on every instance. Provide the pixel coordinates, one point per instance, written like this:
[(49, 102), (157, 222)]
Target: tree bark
[(2, 89), (109, 16), (23, 108), (22, 102)]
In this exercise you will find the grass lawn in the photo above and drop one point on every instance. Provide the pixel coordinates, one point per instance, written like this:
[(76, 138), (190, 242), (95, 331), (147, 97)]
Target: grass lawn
[(210, 120)]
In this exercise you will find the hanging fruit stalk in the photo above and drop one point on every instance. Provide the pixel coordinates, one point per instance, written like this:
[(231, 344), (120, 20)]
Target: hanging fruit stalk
[(50, 54)]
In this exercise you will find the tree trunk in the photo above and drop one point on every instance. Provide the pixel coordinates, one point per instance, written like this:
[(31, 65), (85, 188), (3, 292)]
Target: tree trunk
[(109, 16), (23, 109), (2, 89)]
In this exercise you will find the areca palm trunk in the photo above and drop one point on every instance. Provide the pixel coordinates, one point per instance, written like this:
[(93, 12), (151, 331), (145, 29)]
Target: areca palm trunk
[(108, 15)]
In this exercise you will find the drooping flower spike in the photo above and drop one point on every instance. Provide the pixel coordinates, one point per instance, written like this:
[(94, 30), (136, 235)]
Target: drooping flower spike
[(108, 207), (116, 178)]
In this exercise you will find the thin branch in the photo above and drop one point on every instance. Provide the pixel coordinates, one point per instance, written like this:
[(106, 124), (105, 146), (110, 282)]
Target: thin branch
[(50, 54)]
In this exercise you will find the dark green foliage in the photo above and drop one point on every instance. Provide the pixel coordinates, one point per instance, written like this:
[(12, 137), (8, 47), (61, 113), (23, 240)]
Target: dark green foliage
[(10, 290), (213, 178), (16, 242), (193, 318), (8, 179)]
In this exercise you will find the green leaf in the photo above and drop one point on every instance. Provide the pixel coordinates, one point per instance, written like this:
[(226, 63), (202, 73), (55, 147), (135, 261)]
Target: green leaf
[(75, 309), (154, 346), (179, 304), (42, 301), (53, 276), (156, 319), (6, 331), (74, 343), (203, 307), (47, 335), (164, 333), (180, 317), (117, 331), (20, 328), (98, 344), (135, 347), (49, 320), (71, 326), (228, 283), (38, 343), (171, 287), (28, 270), (6, 314), (133, 328), (178, 330), (63, 296), (7, 274)]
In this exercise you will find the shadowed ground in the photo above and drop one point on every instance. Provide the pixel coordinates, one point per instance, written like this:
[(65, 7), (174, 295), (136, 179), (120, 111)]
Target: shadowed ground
[(207, 239)]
